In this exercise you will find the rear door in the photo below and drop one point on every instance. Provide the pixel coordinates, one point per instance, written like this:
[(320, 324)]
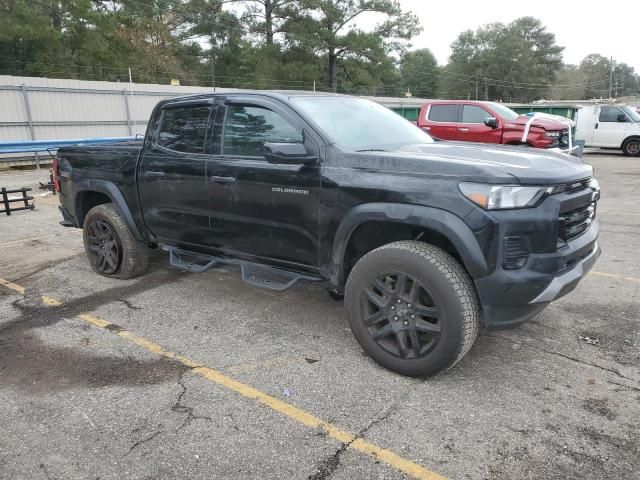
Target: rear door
[(261, 209), (472, 128), (171, 175), (441, 120), (609, 130)]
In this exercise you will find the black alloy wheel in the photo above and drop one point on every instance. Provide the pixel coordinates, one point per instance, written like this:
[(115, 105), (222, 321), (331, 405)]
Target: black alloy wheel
[(401, 315), (104, 247)]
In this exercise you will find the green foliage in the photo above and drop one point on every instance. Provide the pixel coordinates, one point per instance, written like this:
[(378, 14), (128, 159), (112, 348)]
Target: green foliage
[(569, 84), (419, 73), (291, 44), (329, 26), (591, 79), (513, 62)]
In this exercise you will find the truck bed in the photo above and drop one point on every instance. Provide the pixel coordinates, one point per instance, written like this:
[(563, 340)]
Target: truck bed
[(81, 167)]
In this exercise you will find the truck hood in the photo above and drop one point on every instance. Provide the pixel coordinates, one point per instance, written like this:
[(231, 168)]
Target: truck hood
[(540, 122), (486, 163)]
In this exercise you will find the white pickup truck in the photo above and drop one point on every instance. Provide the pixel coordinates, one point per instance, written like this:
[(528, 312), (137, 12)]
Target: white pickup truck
[(609, 126)]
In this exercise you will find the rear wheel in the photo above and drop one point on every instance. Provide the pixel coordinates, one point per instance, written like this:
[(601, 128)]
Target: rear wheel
[(112, 249), (631, 147), (412, 307)]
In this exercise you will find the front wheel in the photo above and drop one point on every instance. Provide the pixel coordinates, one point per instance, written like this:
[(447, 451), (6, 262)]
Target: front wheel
[(112, 249), (631, 148), (412, 307)]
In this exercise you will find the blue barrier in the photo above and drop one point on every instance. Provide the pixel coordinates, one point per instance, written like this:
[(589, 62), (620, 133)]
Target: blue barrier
[(25, 146)]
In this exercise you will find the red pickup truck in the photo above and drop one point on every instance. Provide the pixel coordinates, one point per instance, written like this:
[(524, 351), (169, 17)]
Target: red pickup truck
[(490, 122)]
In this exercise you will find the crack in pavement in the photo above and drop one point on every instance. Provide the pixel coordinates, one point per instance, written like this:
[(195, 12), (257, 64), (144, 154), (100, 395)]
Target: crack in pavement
[(624, 386), (144, 440), (331, 464), (179, 407), (568, 357), (128, 304), (47, 266)]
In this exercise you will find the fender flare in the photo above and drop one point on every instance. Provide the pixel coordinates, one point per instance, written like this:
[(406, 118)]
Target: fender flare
[(111, 191), (445, 223)]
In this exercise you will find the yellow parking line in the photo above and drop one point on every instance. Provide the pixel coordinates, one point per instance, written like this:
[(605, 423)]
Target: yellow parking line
[(615, 275), (301, 416), (12, 286)]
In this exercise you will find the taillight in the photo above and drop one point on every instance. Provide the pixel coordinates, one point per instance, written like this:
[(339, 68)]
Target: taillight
[(56, 181)]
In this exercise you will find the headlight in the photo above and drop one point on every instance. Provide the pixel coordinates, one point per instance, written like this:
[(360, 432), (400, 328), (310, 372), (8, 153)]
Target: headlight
[(554, 134), (496, 197)]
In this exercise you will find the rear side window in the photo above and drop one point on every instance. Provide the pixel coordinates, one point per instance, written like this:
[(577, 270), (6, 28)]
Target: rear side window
[(609, 114), (248, 128), (474, 114), (183, 129), (443, 113)]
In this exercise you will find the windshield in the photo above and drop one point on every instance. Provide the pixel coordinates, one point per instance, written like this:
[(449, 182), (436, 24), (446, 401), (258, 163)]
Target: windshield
[(359, 124), (635, 116), (505, 112)]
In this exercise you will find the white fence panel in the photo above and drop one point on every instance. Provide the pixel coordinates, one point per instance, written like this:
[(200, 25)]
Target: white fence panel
[(68, 109)]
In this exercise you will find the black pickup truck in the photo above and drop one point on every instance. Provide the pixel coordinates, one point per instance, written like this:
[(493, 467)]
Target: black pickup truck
[(426, 241)]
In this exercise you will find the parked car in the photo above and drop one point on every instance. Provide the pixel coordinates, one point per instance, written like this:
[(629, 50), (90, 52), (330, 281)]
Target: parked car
[(490, 122), (426, 241), (609, 126)]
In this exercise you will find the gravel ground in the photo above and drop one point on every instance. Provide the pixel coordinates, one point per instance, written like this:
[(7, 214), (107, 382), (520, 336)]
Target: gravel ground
[(558, 398)]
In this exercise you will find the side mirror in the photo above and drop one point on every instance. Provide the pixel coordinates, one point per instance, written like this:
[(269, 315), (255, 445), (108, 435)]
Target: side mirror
[(491, 122), (622, 117), (288, 154)]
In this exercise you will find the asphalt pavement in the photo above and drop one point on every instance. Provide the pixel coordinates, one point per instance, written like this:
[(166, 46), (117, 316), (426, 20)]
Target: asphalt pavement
[(178, 375)]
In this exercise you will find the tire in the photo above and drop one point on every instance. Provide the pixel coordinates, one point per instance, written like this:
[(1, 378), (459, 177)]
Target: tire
[(631, 147), (105, 229), (445, 292)]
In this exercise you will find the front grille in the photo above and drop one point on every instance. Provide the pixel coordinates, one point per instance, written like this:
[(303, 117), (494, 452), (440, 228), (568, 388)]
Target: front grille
[(563, 140), (572, 187), (576, 222)]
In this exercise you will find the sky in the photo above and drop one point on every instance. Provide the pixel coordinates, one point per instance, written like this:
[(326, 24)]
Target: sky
[(582, 27)]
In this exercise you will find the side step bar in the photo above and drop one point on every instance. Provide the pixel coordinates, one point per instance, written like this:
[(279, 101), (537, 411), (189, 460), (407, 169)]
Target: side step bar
[(262, 276)]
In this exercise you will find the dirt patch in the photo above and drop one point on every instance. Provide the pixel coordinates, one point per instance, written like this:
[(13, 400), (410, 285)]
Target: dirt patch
[(29, 363), (599, 407)]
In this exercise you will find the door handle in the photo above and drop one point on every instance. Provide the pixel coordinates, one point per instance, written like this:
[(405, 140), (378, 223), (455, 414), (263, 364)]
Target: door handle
[(222, 179), (154, 173), (596, 126), (463, 129)]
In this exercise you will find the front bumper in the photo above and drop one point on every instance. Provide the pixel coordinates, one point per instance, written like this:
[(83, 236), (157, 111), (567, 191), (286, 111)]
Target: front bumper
[(511, 297)]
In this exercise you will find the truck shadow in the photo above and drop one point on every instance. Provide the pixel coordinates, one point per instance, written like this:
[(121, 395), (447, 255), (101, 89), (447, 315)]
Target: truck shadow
[(29, 362)]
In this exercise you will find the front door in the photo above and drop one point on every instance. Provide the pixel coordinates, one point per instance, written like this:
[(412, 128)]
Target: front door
[(610, 128), (171, 176), (472, 128), (258, 208)]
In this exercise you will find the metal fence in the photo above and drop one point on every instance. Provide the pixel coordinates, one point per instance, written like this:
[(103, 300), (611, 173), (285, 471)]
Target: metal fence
[(35, 108), (42, 109)]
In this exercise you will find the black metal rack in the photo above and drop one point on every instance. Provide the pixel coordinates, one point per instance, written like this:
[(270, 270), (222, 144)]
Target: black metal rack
[(25, 199)]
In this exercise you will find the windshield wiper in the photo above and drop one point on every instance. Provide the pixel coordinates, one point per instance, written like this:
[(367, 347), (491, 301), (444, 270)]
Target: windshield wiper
[(372, 150)]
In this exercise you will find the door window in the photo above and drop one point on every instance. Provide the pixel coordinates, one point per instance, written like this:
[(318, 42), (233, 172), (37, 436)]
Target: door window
[(473, 114), (443, 113), (610, 114), (184, 128), (248, 128)]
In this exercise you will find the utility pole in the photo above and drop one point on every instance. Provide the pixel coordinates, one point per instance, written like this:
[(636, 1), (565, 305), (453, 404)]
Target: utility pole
[(611, 78), (476, 89)]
